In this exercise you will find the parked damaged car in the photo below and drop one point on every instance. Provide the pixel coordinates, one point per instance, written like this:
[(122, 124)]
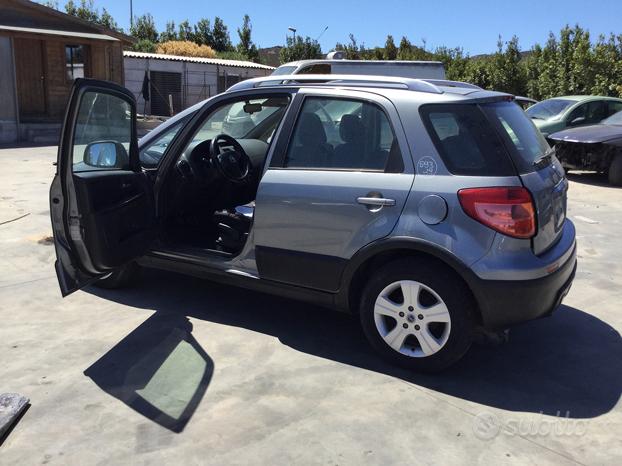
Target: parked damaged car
[(595, 147)]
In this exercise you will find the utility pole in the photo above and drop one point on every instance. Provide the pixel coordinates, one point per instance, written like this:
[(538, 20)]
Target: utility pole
[(131, 16)]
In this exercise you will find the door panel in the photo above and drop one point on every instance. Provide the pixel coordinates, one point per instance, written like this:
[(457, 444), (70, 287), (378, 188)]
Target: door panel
[(314, 218), (29, 68), (101, 203)]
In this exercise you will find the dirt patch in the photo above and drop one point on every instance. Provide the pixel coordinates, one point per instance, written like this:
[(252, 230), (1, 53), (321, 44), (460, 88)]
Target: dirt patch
[(46, 240)]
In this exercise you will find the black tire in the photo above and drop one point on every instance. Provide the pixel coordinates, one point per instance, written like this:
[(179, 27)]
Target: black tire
[(122, 277), (448, 286), (615, 171)]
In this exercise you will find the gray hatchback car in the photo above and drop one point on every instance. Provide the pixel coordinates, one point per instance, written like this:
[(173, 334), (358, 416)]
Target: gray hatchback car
[(431, 209)]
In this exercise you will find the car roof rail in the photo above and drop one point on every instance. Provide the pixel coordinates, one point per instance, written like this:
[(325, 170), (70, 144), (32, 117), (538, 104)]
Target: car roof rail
[(420, 85), (448, 83)]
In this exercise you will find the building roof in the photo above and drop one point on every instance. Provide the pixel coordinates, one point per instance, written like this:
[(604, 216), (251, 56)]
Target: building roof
[(51, 21), (57, 32), (210, 61)]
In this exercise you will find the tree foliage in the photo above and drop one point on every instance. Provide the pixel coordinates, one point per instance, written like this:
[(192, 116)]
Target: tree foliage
[(570, 62), (86, 10), (221, 42), (144, 28), (300, 49), (246, 47)]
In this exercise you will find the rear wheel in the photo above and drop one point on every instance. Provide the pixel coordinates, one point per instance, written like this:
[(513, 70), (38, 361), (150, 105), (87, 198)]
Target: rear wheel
[(418, 315), (615, 171), (122, 277)]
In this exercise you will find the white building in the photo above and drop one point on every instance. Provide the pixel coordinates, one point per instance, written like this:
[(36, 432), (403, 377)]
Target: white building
[(182, 81)]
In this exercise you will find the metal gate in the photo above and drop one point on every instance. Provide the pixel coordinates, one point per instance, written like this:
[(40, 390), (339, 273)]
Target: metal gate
[(166, 98)]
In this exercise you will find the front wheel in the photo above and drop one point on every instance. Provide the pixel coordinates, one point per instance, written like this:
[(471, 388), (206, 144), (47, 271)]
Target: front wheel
[(418, 314)]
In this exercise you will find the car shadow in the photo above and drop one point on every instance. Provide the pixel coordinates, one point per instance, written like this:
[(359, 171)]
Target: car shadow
[(569, 364), (590, 178)]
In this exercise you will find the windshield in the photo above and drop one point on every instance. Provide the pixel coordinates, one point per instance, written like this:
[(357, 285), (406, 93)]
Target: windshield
[(240, 119), (615, 119), (548, 108), (284, 70), (528, 143)]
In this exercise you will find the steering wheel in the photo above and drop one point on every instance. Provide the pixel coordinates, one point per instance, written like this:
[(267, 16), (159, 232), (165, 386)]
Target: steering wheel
[(234, 164)]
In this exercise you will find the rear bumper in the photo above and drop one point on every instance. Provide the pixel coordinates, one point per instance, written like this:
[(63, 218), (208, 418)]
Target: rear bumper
[(504, 303)]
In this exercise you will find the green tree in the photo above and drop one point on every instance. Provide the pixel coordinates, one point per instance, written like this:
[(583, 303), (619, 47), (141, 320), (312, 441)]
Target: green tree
[(185, 31), (85, 10), (390, 50), (170, 33), (144, 45), (203, 32), (246, 47), (352, 49), (220, 34), (300, 49), (404, 52), (144, 28), (108, 21), (454, 61)]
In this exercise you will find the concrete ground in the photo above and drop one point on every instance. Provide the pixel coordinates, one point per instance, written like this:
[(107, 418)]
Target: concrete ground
[(183, 371)]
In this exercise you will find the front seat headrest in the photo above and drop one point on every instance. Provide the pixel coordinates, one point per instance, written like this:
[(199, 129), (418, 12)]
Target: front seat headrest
[(311, 130), (351, 129)]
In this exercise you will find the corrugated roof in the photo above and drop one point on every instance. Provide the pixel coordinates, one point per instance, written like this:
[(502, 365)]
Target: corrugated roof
[(56, 32), (210, 61)]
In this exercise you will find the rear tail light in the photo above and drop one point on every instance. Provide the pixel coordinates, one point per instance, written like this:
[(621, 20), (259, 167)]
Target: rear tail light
[(507, 210)]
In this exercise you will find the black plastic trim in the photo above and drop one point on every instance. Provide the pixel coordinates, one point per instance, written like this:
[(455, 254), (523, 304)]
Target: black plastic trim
[(298, 268)]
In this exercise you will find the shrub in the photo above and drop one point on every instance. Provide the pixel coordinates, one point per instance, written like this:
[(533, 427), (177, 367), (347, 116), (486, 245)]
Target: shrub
[(185, 48)]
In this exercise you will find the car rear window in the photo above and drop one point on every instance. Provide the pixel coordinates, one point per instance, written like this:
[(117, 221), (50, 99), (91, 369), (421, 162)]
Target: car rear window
[(466, 140), (526, 144)]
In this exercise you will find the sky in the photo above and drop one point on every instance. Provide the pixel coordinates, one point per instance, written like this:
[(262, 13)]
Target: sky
[(474, 25)]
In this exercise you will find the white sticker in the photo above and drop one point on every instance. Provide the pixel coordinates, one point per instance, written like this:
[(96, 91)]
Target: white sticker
[(426, 166)]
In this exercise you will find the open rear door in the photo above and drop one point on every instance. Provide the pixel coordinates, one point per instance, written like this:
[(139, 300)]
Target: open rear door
[(101, 203)]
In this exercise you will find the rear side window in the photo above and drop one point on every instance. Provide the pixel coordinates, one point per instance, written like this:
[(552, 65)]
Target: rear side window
[(343, 134), (466, 140)]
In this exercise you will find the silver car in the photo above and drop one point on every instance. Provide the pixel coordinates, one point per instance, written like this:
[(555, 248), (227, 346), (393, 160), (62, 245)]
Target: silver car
[(430, 209)]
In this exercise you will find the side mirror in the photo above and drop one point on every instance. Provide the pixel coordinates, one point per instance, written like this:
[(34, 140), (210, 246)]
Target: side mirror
[(577, 121), (106, 154)]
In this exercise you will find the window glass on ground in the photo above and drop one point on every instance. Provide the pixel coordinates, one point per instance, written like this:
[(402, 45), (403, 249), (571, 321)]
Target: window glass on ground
[(342, 134), (74, 62), (246, 119), (103, 131), (466, 140)]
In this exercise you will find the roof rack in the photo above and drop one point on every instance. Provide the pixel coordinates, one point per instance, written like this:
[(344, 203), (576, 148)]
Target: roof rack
[(420, 85)]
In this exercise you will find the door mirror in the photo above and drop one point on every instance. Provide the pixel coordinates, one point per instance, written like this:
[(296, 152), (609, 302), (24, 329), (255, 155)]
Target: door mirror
[(577, 121), (106, 154)]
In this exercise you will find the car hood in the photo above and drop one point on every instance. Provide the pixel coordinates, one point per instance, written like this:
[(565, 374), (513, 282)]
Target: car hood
[(589, 134)]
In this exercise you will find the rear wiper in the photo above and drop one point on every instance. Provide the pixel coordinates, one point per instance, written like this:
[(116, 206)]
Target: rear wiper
[(546, 157)]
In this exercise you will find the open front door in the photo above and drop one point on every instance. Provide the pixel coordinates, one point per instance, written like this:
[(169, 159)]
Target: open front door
[(101, 203)]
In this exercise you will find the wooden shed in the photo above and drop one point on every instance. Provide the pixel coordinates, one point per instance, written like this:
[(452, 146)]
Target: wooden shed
[(42, 51)]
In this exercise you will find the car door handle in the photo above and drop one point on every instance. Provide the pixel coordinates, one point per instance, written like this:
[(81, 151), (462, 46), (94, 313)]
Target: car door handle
[(375, 201)]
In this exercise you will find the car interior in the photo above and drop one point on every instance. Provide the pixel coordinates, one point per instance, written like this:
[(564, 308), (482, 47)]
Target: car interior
[(210, 195), (211, 191)]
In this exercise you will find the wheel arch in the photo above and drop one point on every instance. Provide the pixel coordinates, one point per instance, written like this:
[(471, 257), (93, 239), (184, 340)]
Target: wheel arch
[(381, 252)]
